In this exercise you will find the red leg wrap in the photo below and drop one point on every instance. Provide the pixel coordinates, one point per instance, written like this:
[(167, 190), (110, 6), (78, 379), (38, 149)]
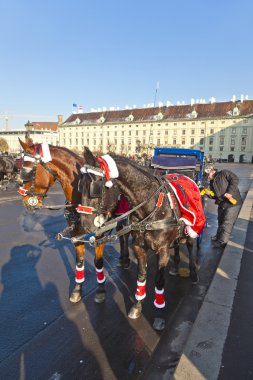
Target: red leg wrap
[(100, 275), (140, 291), (159, 298), (80, 277)]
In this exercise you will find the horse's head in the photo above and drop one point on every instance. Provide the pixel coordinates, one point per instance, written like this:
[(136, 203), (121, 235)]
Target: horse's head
[(99, 196), (36, 175)]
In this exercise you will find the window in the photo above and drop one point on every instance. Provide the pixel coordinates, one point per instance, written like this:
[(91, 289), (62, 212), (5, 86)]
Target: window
[(211, 140), (233, 131), (183, 142), (211, 131), (166, 133), (221, 148), (244, 140), (158, 141), (193, 122), (232, 142), (210, 148), (192, 141), (183, 131), (212, 122), (243, 148), (174, 141), (221, 140), (201, 141), (174, 131), (175, 123), (244, 131), (202, 131), (193, 131), (232, 148)]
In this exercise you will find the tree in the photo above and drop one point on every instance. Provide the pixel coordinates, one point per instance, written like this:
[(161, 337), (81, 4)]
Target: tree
[(4, 147)]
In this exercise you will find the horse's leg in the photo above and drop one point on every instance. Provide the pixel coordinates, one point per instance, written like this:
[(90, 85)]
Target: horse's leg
[(124, 260), (162, 261), (192, 266), (140, 294), (98, 261), (174, 269), (76, 294)]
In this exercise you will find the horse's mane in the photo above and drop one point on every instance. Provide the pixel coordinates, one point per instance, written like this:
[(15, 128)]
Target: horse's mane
[(143, 169), (62, 148)]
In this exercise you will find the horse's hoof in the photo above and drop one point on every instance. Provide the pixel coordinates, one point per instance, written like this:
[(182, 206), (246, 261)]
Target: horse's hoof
[(159, 324), (194, 278), (75, 297), (135, 312), (99, 296), (173, 271)]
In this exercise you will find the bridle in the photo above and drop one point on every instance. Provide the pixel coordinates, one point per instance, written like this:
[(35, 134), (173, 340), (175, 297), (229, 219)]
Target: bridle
[(96, 190), (28, 174)]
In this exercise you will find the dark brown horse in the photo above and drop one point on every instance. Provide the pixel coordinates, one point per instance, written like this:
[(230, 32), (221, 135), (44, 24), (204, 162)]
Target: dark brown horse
[(38, 177), (8, 169), (153, 223)]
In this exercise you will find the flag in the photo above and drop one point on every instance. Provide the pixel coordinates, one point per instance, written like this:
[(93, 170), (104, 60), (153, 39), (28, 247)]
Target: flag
[(74, 108), (80, 109)]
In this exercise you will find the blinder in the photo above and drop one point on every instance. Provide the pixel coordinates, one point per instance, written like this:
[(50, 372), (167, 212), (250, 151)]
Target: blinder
[(27, 174), (96, 187)]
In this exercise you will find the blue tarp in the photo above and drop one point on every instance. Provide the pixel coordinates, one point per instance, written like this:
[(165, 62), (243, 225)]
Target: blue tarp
[(163, 162)]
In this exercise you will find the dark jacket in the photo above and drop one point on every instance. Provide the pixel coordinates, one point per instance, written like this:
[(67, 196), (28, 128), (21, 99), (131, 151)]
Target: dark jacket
[(225, 182)]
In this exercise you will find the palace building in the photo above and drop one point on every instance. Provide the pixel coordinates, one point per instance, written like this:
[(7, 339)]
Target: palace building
[(38, 131), (223, 130)]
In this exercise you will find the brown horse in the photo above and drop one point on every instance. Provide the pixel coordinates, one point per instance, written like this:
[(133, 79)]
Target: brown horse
[(154, 220), (38, 176)]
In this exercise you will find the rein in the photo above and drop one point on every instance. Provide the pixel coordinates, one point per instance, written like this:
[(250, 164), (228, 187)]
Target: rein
[(143, 225)]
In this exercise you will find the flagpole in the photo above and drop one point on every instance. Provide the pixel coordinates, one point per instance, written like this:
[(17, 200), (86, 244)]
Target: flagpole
[(149, 138), (156, 90)]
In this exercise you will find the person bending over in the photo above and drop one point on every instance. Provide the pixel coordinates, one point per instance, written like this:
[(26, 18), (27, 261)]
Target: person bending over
[(224, 187)]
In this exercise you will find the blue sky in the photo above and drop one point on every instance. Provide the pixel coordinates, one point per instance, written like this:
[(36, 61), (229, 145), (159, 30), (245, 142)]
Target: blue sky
[(112, 53)]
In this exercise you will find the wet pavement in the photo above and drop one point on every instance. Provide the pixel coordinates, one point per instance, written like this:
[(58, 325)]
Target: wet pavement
[(43, 336)]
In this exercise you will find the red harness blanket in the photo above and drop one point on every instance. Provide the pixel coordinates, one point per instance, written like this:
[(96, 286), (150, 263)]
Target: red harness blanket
[(190, 204)]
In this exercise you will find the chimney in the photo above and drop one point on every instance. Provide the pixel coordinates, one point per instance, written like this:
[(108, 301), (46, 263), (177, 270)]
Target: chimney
[(59, 119)]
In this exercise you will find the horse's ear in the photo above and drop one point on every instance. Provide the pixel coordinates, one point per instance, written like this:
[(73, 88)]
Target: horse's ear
[(26, 145), (89, 158)]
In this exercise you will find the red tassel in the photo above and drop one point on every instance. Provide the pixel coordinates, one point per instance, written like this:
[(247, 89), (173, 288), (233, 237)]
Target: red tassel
[(160, 200)]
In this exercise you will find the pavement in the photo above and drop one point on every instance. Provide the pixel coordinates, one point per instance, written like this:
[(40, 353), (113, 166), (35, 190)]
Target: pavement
[(219, 346)]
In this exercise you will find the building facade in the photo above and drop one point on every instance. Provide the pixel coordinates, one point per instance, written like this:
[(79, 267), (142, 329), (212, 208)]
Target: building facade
[(39, 132), (223, 130)]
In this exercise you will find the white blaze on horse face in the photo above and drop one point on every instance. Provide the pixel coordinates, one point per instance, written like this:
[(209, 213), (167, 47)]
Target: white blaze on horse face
[(99, 220)]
